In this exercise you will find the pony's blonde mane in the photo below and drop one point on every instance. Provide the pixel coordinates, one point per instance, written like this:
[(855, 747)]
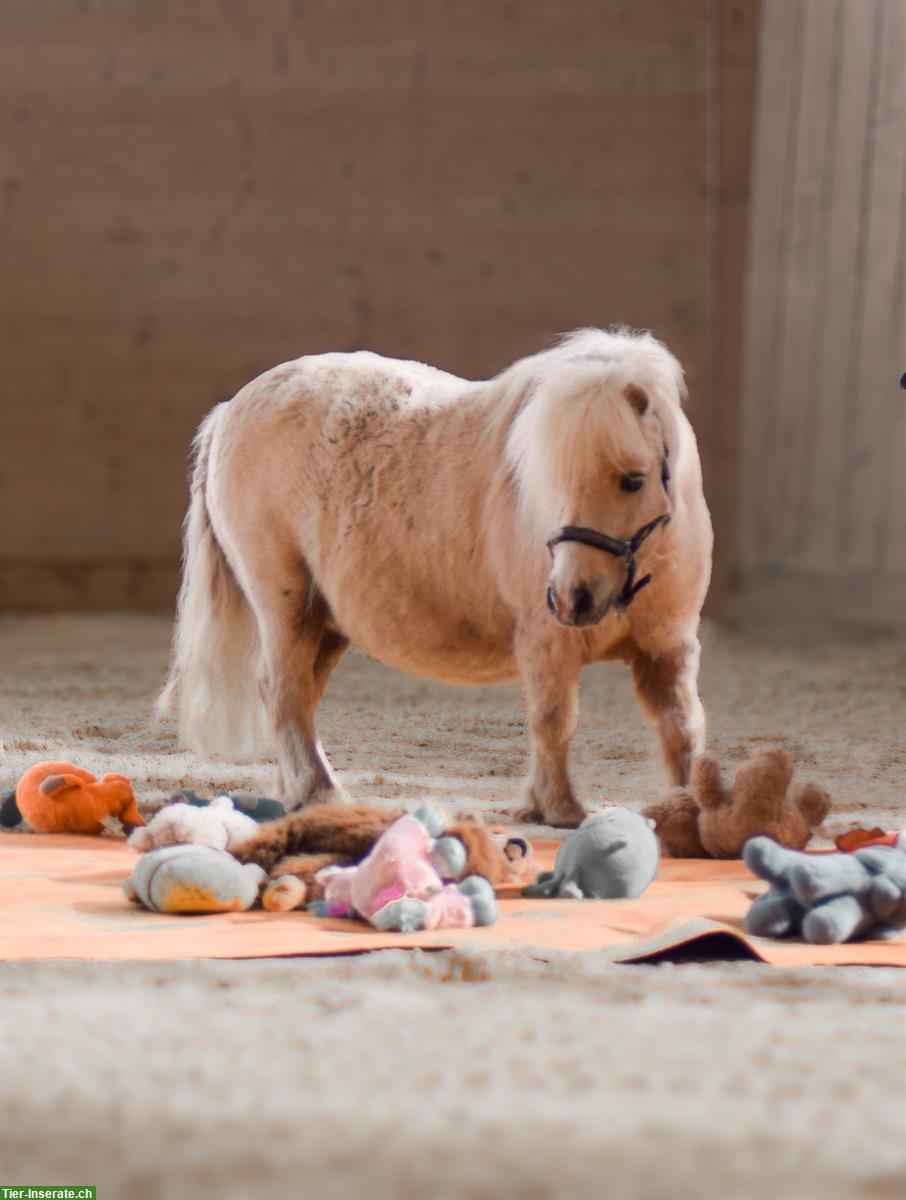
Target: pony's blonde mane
[(574, 419)]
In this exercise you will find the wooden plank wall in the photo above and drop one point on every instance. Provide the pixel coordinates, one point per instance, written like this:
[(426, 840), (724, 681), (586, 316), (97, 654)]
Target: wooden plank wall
[(191, 193), (822, 528), (735, 69)]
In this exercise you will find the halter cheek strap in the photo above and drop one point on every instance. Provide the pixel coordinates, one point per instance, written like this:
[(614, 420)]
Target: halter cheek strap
[(625, 549)]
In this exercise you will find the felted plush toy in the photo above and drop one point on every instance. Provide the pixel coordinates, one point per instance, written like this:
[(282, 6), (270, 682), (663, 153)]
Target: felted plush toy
[(521, 866), (304, 842), (612, 855), (259, 808), (193, 879), (216, 824), (708, 820), (56, 797), (827, 897), (403, 883)]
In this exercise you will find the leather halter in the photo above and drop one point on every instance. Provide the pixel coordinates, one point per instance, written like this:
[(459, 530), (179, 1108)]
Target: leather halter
[(625, 549), (620, 548)]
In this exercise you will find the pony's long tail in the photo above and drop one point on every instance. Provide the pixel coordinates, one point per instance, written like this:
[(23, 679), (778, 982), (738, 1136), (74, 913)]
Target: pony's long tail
[(212, 685)]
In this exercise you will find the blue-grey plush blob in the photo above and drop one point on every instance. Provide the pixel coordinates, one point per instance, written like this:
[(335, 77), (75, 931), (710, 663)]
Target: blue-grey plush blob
[(775, 914), (613, 855), (432, 819), (827, 898), (401, 916), (481, 897), (448, 857)]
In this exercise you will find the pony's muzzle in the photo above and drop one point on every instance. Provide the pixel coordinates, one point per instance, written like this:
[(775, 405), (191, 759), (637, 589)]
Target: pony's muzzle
[(578, 606)]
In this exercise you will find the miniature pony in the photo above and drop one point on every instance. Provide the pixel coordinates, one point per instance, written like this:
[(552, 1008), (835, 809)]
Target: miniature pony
[(472, 532)]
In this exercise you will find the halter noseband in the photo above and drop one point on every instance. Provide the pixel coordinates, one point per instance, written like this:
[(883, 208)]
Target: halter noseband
[(625, 549)]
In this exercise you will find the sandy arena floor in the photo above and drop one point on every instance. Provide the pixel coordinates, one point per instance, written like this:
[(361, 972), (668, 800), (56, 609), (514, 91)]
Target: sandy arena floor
[(453, 1075)]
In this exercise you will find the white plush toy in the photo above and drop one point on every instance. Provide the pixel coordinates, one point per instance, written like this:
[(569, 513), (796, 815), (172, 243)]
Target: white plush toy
[(217, 824)]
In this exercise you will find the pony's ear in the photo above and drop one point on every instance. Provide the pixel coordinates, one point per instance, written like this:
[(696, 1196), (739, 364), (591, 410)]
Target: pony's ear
[(637, 397)]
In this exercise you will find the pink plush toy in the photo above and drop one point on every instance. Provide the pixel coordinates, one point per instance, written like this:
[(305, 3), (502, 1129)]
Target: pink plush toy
[(401, 884)]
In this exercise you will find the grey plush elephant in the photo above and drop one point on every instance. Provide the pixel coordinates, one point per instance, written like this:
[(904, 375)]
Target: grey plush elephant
[(613, 855), (827, 898)]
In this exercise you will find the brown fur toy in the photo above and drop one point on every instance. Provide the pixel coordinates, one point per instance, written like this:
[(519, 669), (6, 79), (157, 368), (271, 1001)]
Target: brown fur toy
[(324, 835), (709, 821)]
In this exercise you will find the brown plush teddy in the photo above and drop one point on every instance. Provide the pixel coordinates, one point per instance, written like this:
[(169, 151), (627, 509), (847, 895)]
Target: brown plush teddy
[(708, 821)]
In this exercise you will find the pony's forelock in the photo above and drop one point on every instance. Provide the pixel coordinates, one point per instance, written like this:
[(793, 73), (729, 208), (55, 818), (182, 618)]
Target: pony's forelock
[(576, 421)]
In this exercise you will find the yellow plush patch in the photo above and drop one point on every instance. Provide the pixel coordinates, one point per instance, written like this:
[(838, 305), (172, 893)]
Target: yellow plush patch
[(189, 898)]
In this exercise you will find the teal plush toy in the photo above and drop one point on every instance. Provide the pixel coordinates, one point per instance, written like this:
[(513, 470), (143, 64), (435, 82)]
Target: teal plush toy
[(194, 879), (613, 855), (827, 898), (9, 810)]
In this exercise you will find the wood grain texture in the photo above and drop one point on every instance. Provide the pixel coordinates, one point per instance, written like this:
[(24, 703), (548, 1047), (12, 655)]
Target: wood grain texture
[(733, 104), (876, 413), (821, 526), (774, 147)]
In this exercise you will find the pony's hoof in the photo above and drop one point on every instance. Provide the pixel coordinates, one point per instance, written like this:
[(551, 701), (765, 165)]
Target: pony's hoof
[(330, 795), (566, 818), (564, 814), (527, 814)]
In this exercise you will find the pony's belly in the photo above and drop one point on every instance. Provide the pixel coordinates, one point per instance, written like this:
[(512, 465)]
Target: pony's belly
[(468, 662), (449, 667), (452, 649)]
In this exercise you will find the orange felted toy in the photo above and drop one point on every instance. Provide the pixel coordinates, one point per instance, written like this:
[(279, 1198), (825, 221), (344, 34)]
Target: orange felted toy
[(56, 797)]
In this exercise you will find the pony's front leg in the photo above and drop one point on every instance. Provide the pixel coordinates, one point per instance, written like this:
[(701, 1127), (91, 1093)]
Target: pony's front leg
[(667, 688), (549, 666)]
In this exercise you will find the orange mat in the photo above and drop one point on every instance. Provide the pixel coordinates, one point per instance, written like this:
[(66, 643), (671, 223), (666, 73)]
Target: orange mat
[(60, 897)]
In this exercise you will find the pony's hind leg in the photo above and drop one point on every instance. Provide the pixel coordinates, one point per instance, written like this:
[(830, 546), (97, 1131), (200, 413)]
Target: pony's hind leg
[(667, 688), (299, 650), (549, 668)]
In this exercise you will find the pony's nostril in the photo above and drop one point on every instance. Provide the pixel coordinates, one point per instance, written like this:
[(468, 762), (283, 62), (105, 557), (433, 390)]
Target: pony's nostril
[(583, 601)]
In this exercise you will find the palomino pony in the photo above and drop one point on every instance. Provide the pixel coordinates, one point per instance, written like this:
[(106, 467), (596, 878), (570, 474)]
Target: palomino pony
[(472, 532)]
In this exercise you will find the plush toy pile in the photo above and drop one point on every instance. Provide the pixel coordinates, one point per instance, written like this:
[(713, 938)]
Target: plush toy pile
[(708, 820), (828, 898), (414, 873), (406, 882), (303, 843), (406, 872)]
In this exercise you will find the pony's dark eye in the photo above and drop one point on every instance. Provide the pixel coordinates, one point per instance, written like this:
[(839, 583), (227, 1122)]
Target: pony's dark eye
[(633, 482)]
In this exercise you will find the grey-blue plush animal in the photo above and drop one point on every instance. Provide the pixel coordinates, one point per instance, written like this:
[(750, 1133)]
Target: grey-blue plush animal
[(827, 898), (613, 855)]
